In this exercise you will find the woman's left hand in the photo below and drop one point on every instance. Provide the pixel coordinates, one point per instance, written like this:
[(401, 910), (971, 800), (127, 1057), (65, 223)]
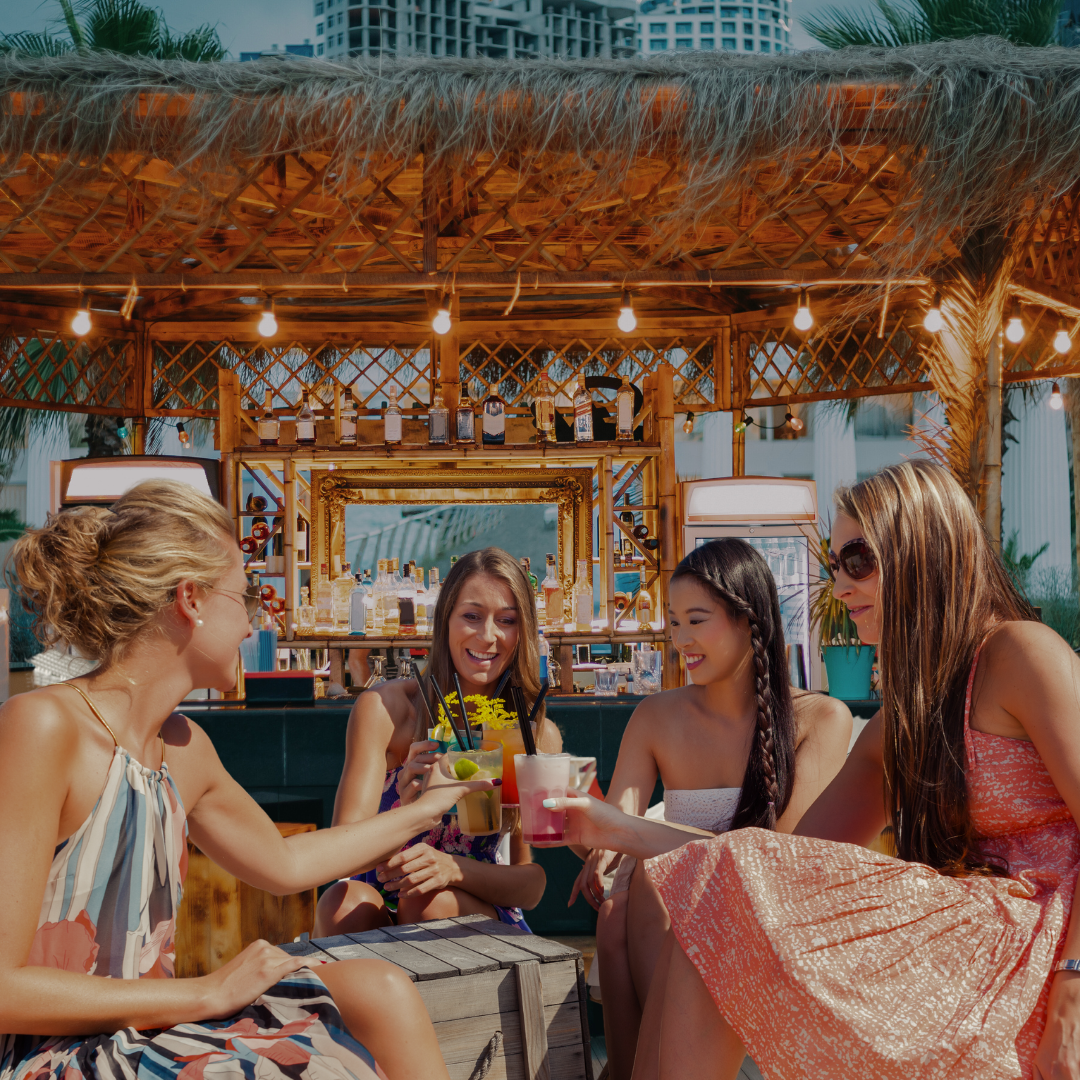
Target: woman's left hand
[(422, 756), (418, 870), (1058, 1056)]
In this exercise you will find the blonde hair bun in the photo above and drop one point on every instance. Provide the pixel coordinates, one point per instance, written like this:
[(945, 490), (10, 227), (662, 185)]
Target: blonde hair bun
[(95, 578)]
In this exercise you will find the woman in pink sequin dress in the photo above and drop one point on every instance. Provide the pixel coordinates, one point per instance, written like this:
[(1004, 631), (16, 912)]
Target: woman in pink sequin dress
[(825, 960)]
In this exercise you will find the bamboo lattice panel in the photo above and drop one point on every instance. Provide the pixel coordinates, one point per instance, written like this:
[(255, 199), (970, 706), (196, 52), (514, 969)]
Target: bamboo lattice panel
[(45, 369), (1035, 356), (835, 360), (1050, 255)]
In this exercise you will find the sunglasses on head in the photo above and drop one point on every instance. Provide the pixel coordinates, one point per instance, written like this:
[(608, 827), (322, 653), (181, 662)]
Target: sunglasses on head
[(855, 559), (249, 598)]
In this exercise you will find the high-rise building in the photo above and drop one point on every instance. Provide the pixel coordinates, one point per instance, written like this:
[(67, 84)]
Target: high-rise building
[(665, 26), (307, 49), (493, 28)]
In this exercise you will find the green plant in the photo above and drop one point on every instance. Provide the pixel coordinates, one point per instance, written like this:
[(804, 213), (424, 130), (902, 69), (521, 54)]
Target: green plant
[(1058, 603), (828, 615), (1019, 566)]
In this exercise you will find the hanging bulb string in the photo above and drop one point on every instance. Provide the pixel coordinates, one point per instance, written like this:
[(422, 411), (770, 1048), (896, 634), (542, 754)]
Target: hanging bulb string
[(748, 420)]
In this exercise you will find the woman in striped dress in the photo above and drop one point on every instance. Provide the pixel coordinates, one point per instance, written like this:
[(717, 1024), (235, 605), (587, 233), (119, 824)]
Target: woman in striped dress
[(100, 782)]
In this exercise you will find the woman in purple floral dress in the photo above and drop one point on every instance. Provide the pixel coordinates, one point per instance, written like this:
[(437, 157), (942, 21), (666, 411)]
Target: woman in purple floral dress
[(485, 622)]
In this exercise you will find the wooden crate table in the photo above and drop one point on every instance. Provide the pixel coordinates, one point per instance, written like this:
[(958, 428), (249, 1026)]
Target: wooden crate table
[(499, 998)]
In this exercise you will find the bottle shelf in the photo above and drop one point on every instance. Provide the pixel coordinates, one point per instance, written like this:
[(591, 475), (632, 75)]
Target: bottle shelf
[(323, 640)]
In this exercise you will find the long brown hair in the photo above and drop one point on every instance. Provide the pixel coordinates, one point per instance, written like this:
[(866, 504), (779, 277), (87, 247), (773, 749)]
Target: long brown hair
[(525, 663), (942, 589), (737, 575)]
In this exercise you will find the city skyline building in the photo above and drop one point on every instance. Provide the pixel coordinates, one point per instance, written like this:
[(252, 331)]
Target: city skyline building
[(667, 26)]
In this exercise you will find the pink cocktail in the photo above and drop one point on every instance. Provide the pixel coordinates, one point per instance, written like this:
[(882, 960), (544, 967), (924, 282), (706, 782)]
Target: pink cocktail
[(540, 777)]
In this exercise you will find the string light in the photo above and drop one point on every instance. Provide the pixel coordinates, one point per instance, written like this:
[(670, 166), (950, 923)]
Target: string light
[(933, 321), (742, 425), (627, 318), (794, 422), (267, 321), (184, 437), (81, 324), (1057, 403), (803, 319), (688, 424), (1062, 341), (442, 322), (121, 430), (1014, 331)]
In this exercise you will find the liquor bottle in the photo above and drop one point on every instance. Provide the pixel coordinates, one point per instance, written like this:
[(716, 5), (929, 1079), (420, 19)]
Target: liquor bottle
[(391, 614), (369, 603), (324, 601), (553, 596), (406, 601), (432, 597), (526, 565), (438, 422), (343, 587), (300, 539), (494, 424), (545, 653), (545, 410), (626, 547), (378, 617), (347, 431), (305, 421), (583, 599), (357, 607), (643, 605), (275, 557), (305, 614), (392, 420), (269, 426), (464, 418), (583, 429), (423, 611), (624, 412)]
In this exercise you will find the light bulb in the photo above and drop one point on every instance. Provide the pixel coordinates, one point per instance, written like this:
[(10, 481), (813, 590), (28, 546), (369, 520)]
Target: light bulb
[(1062, 341), (183, 436), (1014, 331), (803, 319), (122, 431), (933, 321), (627, 318), (794, 422), (740, 427), (688, 424), (442, 322), (81, 324), (267, 322), (1056, 401)]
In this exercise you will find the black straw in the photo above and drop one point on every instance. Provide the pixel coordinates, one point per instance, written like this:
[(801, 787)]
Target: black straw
[(523, 723), (423, 698), (464, 711), (451, 719), (537, 703), (502, 684)]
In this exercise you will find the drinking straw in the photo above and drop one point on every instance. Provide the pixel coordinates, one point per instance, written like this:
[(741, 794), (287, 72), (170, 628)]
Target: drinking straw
[(423, 698), (502, 684), (523, 723), (537, 703), (449, 715), (464, 711)]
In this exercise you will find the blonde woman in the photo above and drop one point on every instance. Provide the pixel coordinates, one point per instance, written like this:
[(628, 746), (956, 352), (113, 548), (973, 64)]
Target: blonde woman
[(485, 623), (101, 781)]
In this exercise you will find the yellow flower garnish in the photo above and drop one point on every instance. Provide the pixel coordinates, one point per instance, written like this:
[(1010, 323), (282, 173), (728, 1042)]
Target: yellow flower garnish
[(486, 711)]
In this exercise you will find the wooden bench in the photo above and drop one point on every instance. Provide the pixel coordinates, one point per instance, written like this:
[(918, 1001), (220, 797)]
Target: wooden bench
[(506, 1005)]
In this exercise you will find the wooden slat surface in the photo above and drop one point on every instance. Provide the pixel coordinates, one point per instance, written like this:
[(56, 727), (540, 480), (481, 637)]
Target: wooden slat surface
[(494, 948), (566, 1062), (533, 1029), (421, 965), (465, 1040), (542, 948), (457, 954), (341, 947)]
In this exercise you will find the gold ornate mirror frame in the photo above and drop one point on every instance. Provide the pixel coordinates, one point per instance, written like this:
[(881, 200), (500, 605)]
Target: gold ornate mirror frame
[(569, 489)]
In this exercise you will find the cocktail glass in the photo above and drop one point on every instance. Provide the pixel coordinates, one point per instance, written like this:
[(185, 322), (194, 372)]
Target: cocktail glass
[(648, 669), (540, 777), (513, 744), (480, 812)]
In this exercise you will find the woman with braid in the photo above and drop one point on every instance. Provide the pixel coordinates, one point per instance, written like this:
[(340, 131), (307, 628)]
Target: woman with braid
[(738, 747)]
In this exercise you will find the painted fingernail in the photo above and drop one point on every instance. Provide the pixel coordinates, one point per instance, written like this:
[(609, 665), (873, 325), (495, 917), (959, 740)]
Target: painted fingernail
[(549, 804), (496, 783)]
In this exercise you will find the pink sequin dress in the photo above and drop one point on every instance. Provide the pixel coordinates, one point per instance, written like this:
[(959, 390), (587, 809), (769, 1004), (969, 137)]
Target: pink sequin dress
[(833, 961)]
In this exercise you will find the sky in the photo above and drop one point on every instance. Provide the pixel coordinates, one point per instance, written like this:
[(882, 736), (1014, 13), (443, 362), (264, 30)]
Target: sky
[(251, 25)]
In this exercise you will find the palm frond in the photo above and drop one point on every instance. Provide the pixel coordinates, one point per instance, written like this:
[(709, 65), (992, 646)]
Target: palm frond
[(28, 44), (201, 45), (74, 29)]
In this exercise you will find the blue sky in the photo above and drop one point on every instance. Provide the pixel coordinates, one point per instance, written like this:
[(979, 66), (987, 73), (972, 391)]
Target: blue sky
[(251, 24)]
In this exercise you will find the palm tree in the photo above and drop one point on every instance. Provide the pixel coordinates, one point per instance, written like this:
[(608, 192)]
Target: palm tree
[(121, 26), (1023, 22)]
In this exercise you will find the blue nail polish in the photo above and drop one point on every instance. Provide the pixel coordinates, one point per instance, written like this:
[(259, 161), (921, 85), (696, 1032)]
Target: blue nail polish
[(497, 782), (549, 804)]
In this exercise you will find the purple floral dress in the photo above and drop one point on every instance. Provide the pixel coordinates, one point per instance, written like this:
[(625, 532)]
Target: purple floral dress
[(445, 837)]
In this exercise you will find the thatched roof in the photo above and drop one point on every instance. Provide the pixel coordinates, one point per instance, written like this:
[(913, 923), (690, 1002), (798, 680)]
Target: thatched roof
[(985, 130)]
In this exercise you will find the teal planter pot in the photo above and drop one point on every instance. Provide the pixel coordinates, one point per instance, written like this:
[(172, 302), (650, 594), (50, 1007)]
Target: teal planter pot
[(849, 669)]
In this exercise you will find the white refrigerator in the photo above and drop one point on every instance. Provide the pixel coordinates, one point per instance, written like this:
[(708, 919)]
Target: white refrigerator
[(778, 516)]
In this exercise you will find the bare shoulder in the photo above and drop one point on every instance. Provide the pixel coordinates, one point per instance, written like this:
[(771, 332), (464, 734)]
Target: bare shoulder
[(45, 717), (389, 701), (1019, 647), (820, 716), (660, 710)]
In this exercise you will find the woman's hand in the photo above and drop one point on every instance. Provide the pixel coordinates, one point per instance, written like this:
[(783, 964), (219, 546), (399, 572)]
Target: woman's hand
[(418, 870), (590, 880), (410, 781), (235, 985), (441, 790), (591, 822), (1058, 1056)]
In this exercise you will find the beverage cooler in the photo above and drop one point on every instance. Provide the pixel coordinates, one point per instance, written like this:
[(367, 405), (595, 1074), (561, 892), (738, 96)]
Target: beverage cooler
[(778, 517)]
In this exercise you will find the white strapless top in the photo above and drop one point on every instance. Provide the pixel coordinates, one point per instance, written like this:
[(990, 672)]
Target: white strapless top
[(702, 808)]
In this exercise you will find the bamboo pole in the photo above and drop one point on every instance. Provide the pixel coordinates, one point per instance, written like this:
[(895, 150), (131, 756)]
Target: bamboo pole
[(738, 392), (292, 574), (607, 541), (667, 481), (992, 447)]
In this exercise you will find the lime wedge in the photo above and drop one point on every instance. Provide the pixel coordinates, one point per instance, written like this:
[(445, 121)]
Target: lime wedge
[(464, 768)]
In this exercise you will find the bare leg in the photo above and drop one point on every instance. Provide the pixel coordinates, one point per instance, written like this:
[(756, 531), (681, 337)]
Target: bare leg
[(647, 923), (622, 1008), (682, 1027), (444, 904), (383, 1010), (349, 907)]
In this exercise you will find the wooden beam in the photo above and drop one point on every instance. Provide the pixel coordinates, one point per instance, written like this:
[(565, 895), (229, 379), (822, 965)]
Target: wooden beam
[(187, 301), (1048, 296), (699, 298), (55, 316)]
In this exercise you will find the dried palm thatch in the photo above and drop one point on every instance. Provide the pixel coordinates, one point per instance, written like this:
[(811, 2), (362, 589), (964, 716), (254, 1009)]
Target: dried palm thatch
[(987, 131)]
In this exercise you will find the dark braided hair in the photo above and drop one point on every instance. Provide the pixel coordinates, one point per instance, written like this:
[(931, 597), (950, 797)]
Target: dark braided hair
[(737, 575)]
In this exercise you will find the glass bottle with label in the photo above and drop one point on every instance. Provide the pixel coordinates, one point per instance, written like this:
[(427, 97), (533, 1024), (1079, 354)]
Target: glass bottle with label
[(305, 421), (545, 410), (545, 653), (406, 601), (378, 617), (624, 412), (305, 613), (369, 603), (300, 539), (357, 607), (494, 421), (391, 615), (583, 428), (324, 601), (464, 418), (423, 612), (551, 587), (438, 421), (269, 425), (583, 598), (343, 587), (643, 605), (432, 596), (392, 420), (347, 431), (526, 565)]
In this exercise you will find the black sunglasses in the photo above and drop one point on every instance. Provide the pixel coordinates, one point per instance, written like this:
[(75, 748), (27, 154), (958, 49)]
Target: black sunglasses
[(855, 559)]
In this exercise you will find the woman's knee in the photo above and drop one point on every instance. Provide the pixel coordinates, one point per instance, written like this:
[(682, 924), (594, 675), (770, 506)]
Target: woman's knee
[(349, 907), (437, 905), (369, 988), (611, 924)]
